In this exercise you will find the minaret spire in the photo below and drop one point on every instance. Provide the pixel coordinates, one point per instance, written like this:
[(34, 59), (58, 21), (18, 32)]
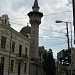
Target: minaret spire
[(35, 6)]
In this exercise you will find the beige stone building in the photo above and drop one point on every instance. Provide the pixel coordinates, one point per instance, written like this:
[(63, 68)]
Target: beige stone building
[(14, 50)]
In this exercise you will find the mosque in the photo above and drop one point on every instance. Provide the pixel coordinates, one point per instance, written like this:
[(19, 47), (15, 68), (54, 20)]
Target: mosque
[(19, 51)]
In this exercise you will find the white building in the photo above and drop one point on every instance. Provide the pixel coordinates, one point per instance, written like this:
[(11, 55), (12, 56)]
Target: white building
[(14, 50)]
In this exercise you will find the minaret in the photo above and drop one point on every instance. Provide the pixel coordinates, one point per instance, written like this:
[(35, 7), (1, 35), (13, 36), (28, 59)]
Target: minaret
[(35, 20)]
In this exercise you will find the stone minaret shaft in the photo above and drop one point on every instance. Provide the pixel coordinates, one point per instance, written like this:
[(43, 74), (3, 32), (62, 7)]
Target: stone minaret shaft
[(35, 20)]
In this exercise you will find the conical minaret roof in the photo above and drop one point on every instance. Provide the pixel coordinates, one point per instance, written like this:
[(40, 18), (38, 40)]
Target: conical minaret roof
[(35, 6)]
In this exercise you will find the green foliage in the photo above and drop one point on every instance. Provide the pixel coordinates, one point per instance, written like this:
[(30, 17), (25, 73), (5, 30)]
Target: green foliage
[(48, 63)]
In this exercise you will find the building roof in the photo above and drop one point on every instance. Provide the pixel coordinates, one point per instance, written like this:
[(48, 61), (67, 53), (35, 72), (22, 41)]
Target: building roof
[(26, 30)]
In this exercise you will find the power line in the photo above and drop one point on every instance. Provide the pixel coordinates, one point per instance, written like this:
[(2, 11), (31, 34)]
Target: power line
[(40, 37), (46, 35), (56, 44), (43, 15), (19, 18), (52, 30), (59, 43), (40, 28), (57, 31), (53, 37), (53, 45), (17, 24), (57, 13)]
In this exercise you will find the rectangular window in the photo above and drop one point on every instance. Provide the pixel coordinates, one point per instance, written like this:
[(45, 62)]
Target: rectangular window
[(3, 42), (19, 68), (12, 65), (25, 67), (2, 66), (26, 51), (13, 46), (20, 50)]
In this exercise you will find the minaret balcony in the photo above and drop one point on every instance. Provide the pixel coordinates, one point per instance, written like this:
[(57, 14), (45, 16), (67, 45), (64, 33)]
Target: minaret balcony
[(38, 14)]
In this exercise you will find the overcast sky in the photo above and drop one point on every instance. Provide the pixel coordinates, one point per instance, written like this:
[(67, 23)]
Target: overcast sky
[(52, 35)]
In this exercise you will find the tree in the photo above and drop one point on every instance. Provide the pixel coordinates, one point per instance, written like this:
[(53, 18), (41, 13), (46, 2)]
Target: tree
[(48, 63)]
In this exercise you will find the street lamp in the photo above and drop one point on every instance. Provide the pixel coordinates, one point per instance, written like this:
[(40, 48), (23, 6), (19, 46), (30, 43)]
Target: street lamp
[(57, 21)]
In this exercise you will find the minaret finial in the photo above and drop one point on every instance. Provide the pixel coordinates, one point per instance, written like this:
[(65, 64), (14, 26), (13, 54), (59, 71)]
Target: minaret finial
[(35, 6)]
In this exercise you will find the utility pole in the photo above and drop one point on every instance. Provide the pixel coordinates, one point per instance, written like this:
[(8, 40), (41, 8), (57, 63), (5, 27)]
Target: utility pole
[(67, 36), (73, 4)]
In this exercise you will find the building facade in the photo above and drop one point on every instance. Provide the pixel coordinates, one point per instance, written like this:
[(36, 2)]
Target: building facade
[(14, 50)]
